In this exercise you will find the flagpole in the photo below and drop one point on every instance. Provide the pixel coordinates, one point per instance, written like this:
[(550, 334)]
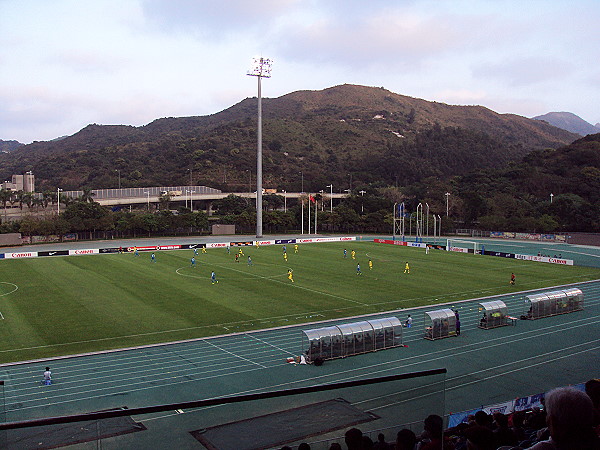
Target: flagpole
[(302, 216), (316, 205), (308, 213)]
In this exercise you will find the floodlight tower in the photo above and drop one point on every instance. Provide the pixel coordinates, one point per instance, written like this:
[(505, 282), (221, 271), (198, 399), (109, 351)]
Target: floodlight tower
[(261, 68)]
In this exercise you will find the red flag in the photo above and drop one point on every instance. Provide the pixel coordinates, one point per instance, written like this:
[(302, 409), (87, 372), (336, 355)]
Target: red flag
[(311, 198)]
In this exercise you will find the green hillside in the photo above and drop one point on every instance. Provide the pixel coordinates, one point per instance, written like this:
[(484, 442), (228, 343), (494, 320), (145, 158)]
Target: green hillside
[(326, 135)]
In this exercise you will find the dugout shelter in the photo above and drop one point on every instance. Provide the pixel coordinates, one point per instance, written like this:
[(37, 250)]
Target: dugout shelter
[(349, 339), (546, 304), (440, 324), (495, 314)]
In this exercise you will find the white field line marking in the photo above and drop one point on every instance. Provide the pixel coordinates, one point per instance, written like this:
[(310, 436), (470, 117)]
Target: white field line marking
[(369, 368), (154, 356), (230, 324), (7, 293), (237, 356), (266, 343), (482, 379), (298, 287), (10, 284)]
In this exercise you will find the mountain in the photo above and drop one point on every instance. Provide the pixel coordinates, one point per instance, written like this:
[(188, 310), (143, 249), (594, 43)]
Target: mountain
[(343, 135), (570, 122), (547, 191), (9, 146)]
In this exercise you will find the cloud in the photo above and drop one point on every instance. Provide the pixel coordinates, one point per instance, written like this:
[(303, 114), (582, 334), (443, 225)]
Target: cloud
[(525, 71), (214, 20)]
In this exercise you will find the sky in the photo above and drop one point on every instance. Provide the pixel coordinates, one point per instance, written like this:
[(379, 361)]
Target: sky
[(67, 63)]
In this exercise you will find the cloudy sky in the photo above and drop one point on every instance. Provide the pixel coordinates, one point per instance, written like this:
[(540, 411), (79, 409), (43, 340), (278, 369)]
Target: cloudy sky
[(67, 63)]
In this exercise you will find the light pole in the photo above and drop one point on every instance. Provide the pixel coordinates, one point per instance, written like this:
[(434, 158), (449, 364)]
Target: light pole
[(350, 175), (551, 197), (447, 194), (261, 68), (119, 172), (362, 202), (330, 186), (148, 194), (284, 200), (302, 185), (58, 191)]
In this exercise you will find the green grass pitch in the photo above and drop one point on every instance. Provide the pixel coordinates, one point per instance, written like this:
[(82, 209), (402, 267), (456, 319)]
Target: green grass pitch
[(65, 305)]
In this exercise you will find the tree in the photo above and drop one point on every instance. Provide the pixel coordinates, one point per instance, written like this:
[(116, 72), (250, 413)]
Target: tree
[(87, 196), (5, 196)]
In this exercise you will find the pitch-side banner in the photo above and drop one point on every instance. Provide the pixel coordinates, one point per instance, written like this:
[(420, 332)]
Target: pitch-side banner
[(84, 251), (566, 262), (21, 255)]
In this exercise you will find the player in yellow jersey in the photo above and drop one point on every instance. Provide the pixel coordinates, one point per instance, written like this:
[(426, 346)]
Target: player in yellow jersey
[(370, 265), (353, 254), (290, 275), (203, 249), (295, 248), (406, 268), (285, 256)]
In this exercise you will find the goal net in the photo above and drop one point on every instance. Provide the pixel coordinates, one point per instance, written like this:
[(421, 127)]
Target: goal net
[(459, 245)]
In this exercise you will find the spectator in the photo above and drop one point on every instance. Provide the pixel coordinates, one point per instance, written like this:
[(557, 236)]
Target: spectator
[(570, 416), (517, 420), (304, 446), (432, 437), (406, 440), (381, 444), (592, 389), (479, 438), (367, 443), (353, 439), (482, 419), (335, 446), (502, 433)]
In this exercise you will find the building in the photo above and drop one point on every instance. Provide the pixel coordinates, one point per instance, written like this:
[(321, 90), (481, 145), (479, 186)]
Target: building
[(25, 183)]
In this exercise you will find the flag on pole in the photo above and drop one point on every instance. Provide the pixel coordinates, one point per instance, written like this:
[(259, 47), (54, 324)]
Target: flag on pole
[(311, 198)]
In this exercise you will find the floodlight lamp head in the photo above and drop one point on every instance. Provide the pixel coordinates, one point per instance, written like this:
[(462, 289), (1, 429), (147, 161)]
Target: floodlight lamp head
[(261, 67)]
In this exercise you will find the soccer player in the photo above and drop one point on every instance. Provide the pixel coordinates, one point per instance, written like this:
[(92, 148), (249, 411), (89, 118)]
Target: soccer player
[(408, 323), (256, 243), (358, 272), (228, 249), (203, 249), (250, 261), (427, 249), (241, 252), (406, 268), (285, 256), (513, 278), (195, 252), (284, 249), (345, 253), (153, 257), (237, 257), (135, 252), (370, 265), (290, 275), (213, 277), (353, 254), (193, 262), (295, 248)]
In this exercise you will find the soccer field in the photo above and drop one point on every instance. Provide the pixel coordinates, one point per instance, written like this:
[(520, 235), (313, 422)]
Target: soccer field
[(68, 305)]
